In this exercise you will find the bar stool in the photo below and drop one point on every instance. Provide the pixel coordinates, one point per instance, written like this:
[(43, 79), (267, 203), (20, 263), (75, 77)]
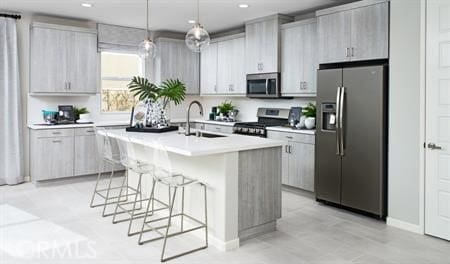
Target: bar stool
[(128, 158), (165, 175), (108, 152)]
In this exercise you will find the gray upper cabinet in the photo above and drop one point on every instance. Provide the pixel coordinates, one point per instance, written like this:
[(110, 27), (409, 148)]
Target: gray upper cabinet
[(334, 36), (370, 34), (223, 67), (354, 32), (176, 61), (63, 60), (299, 60), (231, 65), (208, 70), (262, 44)]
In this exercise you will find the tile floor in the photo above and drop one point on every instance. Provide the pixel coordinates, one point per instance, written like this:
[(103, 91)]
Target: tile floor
[(60, 227)]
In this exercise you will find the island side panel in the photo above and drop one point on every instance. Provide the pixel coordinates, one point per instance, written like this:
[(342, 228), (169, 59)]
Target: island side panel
[(259, 193)]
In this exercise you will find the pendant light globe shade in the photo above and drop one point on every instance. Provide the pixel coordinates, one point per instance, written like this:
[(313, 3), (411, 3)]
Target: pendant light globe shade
[(197, 38), (147, 49)]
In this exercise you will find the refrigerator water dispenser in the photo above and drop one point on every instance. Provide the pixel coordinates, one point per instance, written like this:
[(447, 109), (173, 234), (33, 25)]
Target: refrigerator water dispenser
[(328, 116)]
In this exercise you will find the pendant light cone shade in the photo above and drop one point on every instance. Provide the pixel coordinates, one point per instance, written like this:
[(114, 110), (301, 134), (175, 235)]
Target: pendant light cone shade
[(147, 49), (197, 38)]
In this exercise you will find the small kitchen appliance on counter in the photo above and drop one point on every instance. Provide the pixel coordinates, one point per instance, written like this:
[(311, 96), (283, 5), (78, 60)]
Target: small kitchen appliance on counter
[(66, 114)]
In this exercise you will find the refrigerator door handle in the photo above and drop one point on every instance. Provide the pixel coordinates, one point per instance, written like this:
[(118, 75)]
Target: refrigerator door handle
[(341, 120), (338, 145)]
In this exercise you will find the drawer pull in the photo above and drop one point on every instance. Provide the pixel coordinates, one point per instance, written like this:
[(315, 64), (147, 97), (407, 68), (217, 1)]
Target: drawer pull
[(56, 133), (56, 141), (289, 137), (90, 131)]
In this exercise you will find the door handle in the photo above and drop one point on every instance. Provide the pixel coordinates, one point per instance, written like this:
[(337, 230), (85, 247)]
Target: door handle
[(267, 86), (338, 100), (341, 119), (434, 146)]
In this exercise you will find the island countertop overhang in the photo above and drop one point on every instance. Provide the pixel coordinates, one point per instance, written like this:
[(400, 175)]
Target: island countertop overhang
[(193, 146)]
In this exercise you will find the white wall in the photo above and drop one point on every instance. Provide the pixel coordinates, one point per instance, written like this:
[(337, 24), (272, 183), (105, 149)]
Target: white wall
[(406, 102)]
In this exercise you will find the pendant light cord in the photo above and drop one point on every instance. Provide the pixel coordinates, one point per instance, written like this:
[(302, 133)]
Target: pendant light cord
[(198, 12), (148, 35)]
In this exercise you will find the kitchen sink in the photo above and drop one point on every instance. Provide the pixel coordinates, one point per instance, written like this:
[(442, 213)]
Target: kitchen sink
[(207, 135)]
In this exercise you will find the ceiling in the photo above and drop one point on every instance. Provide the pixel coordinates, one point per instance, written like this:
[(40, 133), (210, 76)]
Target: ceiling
[(172, 15)]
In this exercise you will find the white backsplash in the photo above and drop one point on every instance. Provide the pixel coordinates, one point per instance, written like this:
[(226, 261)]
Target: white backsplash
[(92, 103), (247, 107)]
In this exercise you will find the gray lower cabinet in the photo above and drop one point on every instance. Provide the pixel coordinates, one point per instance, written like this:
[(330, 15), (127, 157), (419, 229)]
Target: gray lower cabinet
[(63, 60), (297, 159), (354, 32), (61, 153), (86, 158), (51, 154)]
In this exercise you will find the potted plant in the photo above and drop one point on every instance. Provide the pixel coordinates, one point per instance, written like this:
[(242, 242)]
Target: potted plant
[(310, 113), (157, 98), (225, 108), (81, 113)]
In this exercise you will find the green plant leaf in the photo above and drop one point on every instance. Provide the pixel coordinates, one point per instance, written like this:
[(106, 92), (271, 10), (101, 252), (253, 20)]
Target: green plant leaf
[(172, 90), (309, 110), (143, 89)]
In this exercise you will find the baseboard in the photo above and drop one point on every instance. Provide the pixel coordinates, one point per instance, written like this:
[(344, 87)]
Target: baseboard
[(404, 225), (223, 246)]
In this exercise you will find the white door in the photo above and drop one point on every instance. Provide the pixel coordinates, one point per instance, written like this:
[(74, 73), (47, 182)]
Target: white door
[(437, 193)]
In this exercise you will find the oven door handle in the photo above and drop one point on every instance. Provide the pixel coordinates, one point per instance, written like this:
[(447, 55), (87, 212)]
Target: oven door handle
[(267, 86)]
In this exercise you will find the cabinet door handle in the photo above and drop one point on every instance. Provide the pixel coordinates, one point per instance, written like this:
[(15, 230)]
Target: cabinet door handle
[(290, 149), (347, 52), (70, 86), (286, 148), (353, 52), (215, 88)]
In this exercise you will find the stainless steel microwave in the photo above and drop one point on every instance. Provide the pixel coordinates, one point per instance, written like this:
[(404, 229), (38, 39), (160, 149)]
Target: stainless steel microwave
[(265, 85)]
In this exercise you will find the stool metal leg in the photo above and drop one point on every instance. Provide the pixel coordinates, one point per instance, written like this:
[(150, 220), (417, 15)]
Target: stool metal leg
[(107, 192), (170, 219), (101, 167), (206, 216), (152, 193), (125, 181), (134, 204)]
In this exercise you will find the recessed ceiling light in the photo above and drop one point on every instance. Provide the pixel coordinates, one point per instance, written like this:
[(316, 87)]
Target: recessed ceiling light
[(243, 5), (191, 21), (86, 4)]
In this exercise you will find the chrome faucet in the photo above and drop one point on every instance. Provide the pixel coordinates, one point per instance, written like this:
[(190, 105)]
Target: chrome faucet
[(187, 132)]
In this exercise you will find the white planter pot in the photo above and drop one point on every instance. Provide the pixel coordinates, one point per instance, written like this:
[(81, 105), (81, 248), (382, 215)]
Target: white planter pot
[(310, 122), (85, 117)]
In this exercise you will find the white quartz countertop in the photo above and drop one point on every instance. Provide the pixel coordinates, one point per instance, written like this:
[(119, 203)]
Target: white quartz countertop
[(290, 130), (195, 146), (100, 124)]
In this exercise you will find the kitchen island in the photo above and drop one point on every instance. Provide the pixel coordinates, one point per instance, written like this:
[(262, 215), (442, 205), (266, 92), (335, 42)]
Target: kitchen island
[(242, 174)]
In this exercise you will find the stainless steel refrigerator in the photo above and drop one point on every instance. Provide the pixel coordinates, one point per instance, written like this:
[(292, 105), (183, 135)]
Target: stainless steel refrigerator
[(351, 141)]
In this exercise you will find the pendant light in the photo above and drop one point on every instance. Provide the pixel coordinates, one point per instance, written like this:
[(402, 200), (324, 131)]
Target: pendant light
[(147, 49), (197, 38)]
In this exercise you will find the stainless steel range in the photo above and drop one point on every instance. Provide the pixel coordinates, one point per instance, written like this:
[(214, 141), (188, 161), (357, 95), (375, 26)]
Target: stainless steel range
[(266, 117)]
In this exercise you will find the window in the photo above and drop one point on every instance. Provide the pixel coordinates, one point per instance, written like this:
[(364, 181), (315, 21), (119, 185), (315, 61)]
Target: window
[(117, 69)]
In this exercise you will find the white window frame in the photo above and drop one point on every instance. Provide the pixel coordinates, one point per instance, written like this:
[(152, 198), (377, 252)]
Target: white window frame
[(111, 78)]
